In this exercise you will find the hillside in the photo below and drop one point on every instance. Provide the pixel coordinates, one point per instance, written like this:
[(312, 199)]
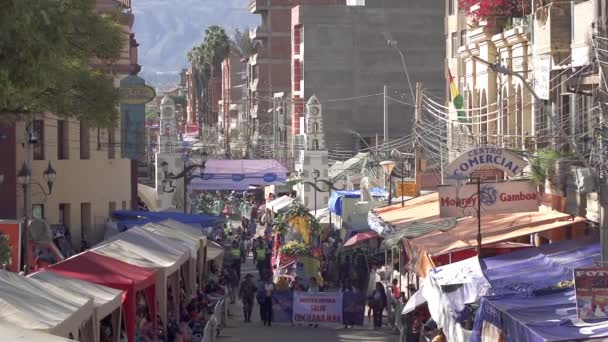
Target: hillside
[(167, 29)]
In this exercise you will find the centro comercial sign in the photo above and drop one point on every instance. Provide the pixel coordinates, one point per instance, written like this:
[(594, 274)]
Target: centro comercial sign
[(484, 157)]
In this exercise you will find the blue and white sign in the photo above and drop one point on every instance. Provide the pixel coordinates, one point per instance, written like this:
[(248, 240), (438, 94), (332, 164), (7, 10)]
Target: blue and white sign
[(504, 197), (484, 157)]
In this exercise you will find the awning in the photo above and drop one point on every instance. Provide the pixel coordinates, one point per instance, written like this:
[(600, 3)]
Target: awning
[(28, 303), (415, 300), (13, 333), (360, 237), (335, 201), (132, 218), (279, 204), (148, 196), (230, 174)]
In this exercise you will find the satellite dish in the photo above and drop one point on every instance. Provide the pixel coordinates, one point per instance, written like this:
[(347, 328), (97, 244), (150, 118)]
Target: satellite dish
[(40, 231)]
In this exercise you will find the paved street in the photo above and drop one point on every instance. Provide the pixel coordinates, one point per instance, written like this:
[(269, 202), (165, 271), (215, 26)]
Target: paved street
[(256, 332)]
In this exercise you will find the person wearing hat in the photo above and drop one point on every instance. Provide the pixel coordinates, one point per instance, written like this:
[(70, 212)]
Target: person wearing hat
[(246, 294)]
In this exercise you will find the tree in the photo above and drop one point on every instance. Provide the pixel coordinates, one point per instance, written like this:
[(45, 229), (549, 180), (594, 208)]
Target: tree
[(46, 49), (242, 43), (206, 60)]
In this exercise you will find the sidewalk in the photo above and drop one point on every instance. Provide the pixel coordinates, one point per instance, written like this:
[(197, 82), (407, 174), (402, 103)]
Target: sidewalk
[(238, 331)]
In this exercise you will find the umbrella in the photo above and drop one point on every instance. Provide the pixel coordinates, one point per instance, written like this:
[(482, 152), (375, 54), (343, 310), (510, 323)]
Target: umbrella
[(360, 237)]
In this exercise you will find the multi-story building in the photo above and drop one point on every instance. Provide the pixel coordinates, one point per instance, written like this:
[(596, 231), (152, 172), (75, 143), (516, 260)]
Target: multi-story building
[(271, 64), (232, 103), (344, 52), (92, 178)]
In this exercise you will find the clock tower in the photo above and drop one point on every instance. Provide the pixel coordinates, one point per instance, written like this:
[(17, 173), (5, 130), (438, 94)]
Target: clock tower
[(313, 130), (167, 137)]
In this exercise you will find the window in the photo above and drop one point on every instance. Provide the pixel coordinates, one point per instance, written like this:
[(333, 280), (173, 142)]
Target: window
[(111, 208), (111, 151), (455, 44), (85, 140), (64, 214), (315, 144), (38, 211), (463, 38), (63, 139), (297, 39), (451, 7), (124, 205), (315, 128), (85, 221), (38, 147)]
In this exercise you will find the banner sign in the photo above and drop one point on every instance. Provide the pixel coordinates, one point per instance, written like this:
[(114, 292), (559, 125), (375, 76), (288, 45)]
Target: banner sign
[(504, 197), (317, 307), (134, 94), (353, 310), (406, 189), (282, 306), (542, 75), (591, 288), (484, 157), (11, 232)]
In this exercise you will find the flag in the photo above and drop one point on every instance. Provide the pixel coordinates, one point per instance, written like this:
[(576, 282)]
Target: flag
[(457, 100)]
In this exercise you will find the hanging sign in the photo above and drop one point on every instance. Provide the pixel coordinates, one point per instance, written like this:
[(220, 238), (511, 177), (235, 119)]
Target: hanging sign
[(504, 197), (591, 289), (483, 157), (134, 94), (317, 307)]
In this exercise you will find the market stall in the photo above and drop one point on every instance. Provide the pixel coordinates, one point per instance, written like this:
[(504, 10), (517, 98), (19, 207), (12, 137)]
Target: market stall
[(138, 247), (13, 333), (99, 269), (107, 301), (30, 304)]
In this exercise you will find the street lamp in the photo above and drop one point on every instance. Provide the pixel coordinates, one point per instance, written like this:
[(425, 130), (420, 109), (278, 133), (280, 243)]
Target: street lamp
[(24, 178), (328, 183), (315, 176), (395, 45), (388, 166), (185, 174)]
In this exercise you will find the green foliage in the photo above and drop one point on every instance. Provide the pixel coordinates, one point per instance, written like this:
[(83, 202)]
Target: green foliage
[(280, 225), (46, 48), (295, 248), (298, 208), (5, 250), (543, 164)]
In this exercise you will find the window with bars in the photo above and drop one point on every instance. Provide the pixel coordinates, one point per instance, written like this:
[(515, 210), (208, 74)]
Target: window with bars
[(455, 44)]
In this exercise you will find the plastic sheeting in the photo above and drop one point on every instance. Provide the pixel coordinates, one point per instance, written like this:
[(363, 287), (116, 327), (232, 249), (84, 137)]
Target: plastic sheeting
[(335, 201), (30, 304), (230, 174), (106, 300), (131, 218), (99, 269)]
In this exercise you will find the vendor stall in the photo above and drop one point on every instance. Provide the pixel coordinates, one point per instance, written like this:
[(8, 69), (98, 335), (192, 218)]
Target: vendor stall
[(140, 248), (30, 304), (107, 301), (106, 271)]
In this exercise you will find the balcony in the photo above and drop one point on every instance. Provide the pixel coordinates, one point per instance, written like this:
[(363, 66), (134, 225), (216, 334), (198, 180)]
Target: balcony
[(258, 32), (256, 6)]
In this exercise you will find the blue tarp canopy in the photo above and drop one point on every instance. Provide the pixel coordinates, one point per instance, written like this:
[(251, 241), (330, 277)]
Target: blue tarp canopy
[(131, 218), (524, 307), (533, 269), (335, 201)]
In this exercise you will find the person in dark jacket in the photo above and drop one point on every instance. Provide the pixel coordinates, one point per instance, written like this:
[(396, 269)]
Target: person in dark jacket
[(246, 294), (378, 302)]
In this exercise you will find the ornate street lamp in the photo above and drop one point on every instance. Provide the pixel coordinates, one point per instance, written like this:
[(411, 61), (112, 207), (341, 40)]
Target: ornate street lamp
[(315, 176), (328, 183), (187, 176), (388, 166)]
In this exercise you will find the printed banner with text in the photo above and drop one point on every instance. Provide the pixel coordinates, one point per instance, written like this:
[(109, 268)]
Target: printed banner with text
[(317, 307)]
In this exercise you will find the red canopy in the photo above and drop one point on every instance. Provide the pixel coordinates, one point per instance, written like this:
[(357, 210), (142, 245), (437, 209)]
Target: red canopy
[(103, 270), (360, 237)]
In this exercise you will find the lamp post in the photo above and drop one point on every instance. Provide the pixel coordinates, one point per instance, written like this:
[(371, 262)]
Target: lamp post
[(405, 166), (315, 176), (185, 174), (388, 166), (24, 178), (329, 183)]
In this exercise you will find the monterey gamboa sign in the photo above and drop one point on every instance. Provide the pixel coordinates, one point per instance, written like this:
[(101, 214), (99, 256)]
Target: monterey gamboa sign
[(501, 197), (484, 157)]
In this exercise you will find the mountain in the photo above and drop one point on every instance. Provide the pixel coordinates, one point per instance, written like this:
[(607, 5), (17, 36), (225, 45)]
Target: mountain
[(167, 29)]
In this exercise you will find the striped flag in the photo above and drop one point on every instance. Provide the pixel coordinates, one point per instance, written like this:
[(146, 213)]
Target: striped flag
[(457, 100)]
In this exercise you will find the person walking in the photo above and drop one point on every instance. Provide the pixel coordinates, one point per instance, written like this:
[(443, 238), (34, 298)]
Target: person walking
[(378, 302), (236, 253), (260, 255), (265, 299), (246, 294), (347, 290)]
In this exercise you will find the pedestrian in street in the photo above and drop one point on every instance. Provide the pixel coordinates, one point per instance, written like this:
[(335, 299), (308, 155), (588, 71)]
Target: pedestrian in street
[(246, 294), (346, 289), (378, 302), (265, 300), (260, 255), (236, 253)]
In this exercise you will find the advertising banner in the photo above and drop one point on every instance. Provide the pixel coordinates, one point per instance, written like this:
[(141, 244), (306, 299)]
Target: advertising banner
[(11, 233), (504, 197), (591, 288), (317, 307)]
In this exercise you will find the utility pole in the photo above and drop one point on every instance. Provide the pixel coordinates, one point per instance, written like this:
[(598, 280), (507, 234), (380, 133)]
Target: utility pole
[(385, 122), (26, 200), (418, 149)]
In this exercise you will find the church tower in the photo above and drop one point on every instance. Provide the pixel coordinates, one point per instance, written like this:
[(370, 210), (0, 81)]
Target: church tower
[(313, 131), (167, 138)]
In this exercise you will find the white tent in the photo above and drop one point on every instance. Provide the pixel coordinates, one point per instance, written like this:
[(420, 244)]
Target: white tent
[(14, 334), (106, 300), (30, 304), (279, 204), (145, 249), (186, 241)]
